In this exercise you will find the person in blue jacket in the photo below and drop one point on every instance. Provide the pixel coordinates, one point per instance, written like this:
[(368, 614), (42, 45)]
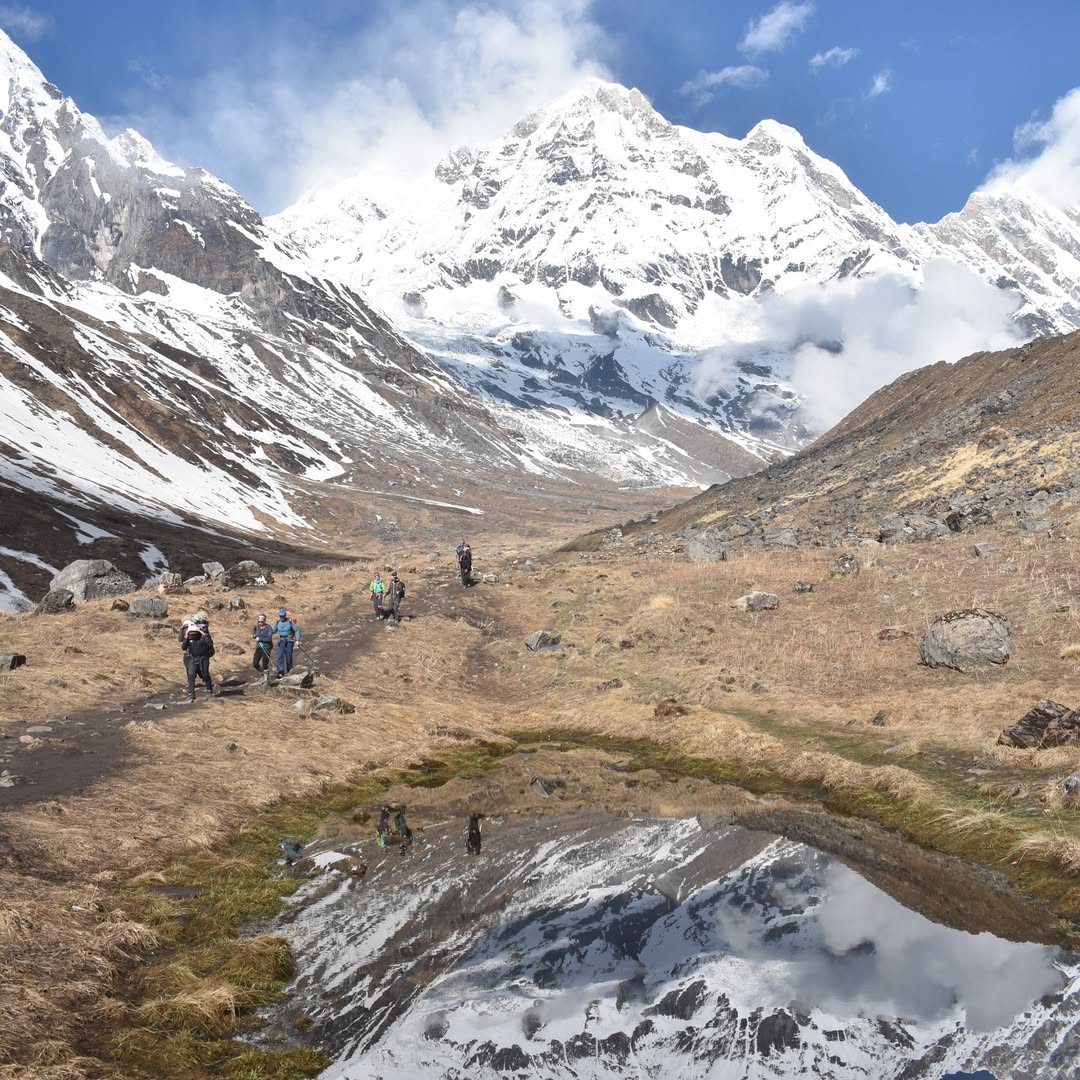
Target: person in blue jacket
[(288, 635)]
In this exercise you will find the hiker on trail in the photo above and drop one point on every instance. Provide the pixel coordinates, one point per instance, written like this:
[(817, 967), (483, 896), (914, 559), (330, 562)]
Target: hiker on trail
[(288, 635), (459, 549), (472, 835), (197, 647), (395, 590), (378, 593), (403, 830), (384, 828), (264, 641), (465, 566)]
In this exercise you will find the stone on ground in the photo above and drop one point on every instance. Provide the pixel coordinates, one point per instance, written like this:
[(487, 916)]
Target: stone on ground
[(237, 603), (90, 579), (246, 572), (330, 704), (845, 565), (1047, 724), (213, 570), (148, 607), (707, 549), (540, 640), (894, 633), (490, 579), (9, 661), (966, 640), (119, 605), (170, 583), (55, 601), (757, 601), (299, 680), (779, 536), (982, 550), (802, 586)]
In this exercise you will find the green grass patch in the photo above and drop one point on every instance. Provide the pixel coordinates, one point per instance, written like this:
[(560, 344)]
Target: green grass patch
[(178, 1014)]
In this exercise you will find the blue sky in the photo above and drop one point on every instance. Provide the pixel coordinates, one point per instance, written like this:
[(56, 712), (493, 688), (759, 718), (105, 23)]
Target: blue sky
[(916, 101)]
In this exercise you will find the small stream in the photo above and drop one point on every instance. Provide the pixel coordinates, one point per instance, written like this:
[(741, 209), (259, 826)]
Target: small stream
[(590, 946)]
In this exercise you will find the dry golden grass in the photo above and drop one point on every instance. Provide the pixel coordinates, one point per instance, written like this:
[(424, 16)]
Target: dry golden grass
[(1070, 652), (788, 693)]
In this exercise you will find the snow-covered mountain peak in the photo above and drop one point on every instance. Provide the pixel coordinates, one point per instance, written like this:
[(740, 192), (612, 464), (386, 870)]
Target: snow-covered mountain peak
[(593, 101)]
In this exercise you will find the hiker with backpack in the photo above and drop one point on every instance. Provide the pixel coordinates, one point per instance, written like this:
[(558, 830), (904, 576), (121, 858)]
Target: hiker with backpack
[(198, 647), (384, 828), (395, 591), (403, 830), (288, 634), (264, 641), (465, 566), (472, 835), (378, 593)]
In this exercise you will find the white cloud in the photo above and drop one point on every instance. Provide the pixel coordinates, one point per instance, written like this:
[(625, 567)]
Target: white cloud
[(880, 85), (838, 343), (741, 76), (295, 111), (1051, 169), (776, 28), (22, 22), (834, 57)]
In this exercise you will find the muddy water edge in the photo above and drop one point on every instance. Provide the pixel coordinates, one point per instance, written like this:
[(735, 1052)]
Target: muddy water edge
[(187, 1011)]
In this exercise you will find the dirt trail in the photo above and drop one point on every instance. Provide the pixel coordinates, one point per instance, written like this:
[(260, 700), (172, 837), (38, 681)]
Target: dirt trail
[(77, 750)]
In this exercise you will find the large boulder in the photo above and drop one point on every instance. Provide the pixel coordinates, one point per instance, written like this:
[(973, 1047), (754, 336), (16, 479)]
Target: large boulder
[(757, 601), (213, 570), (246, 572), (540, 640), (780, 536), (9, 661), (1047, 724), (966, 640), (170, 583), (89, 579), (148, 607), (55, 601), (706, 549)]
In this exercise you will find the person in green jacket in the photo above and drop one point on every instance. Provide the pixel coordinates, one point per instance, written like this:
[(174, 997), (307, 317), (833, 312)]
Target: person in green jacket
[(378, 594)]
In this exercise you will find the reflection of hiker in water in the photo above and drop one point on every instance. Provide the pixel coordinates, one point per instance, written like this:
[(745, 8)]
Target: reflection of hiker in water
[(384, 827), (472, 839), (403, 830)]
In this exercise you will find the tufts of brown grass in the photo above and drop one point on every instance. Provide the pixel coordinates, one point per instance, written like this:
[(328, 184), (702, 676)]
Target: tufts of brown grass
[(1071, 652)]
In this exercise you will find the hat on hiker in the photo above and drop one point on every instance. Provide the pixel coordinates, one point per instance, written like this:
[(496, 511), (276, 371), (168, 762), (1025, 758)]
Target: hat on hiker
[(282, 612), (262, 618)]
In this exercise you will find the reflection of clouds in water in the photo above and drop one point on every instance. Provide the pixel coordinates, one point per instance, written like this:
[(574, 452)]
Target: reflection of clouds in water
[(915, 968)]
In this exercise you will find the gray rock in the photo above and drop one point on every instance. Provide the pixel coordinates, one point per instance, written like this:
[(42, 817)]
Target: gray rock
[(734, 531), (982, 550), (845, 565), (802, 587), (894, 633), (779, 536), (148, 607), (213, 570), (490, 579), (9, 779), (89, 579), (237, 603), (198, 579), (757, 601), (119, 605), (55, 601), (433, 556), (1047, 724), (9, 661), (546, 787), (246, 572), (707, 549), (966, 640), (1071, 784), (299, 680), (540, 640), (170, 582), (1035, 525), (39, 729), (331, 704)]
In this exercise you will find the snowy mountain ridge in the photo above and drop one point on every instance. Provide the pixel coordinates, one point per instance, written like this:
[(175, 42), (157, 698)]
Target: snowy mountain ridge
[(598, 231)]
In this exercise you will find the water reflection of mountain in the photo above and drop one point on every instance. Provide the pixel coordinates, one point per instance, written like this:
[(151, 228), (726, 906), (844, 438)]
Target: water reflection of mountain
[(587, 947)]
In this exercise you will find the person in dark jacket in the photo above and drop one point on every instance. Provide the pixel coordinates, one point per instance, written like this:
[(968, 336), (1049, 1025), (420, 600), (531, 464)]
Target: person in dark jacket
[(197, 648), (395, 590), (465, 566), (263, 634), (472, 835), (403, 830)]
